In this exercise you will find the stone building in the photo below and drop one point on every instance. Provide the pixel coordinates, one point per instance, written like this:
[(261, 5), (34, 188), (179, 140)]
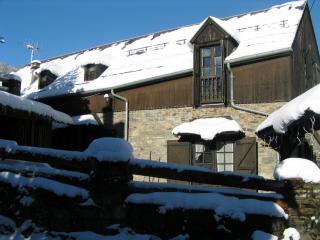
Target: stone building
[(241, 67)]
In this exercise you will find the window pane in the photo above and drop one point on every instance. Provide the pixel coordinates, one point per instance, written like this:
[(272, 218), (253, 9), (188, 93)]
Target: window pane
[(218, 61), (218, 71), (198, 147), (229, 157), (206, 61), (206, 52), (198, 158), (220, 168), (217, 51), (208, 158), (220, 158), (229, 167), (229, 147), (207, 72), (220, 147)]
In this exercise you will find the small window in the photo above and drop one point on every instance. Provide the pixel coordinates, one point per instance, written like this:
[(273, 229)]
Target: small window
[(225, 157), (218, 157), (93, 71), (45, 78)]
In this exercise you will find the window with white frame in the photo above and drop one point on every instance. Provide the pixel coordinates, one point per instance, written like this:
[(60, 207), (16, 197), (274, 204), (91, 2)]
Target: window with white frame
[(219, 157)]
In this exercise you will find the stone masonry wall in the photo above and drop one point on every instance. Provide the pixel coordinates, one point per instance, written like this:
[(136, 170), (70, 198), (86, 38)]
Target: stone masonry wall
[(303, 208), (149, 130)]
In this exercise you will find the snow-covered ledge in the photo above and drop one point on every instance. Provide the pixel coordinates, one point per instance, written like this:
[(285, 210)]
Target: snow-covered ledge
[(297, 168), (292, 111), (23, 104), (208, 128)]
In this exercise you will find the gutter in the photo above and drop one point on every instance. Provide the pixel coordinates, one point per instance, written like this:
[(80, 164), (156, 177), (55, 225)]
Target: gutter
[(233, 105), (113, 95)]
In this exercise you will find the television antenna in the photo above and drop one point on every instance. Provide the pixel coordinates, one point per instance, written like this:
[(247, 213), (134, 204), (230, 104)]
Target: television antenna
[(33, 49)]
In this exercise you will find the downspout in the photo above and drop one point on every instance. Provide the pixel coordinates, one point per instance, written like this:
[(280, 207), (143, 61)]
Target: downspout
[(114, 95), (233, 105)]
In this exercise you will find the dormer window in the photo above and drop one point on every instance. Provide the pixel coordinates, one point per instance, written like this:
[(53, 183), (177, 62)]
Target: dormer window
[(93, 71), (45, 78), (211, 88)]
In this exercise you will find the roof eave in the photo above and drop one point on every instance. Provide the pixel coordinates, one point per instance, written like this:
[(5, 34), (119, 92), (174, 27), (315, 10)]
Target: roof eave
[(259, 56), (119, 87)]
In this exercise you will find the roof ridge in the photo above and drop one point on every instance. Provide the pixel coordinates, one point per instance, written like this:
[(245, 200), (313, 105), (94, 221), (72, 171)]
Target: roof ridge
[(261, 10), (105, 45)]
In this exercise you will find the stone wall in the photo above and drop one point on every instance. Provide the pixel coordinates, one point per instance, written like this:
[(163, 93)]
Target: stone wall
[(304, 208), (149, 130)]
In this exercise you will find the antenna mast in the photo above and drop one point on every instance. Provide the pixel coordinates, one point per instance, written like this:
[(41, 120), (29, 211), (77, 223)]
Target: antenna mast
[(33, 49)]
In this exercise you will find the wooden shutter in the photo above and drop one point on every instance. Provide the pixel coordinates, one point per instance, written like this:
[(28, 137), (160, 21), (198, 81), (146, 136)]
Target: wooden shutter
[(178, 152), (246, 156)]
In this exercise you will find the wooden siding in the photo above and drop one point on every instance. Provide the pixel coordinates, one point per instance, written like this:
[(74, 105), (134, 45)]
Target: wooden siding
[(263, 81), (168, 94), (30, 132), (306, 63)]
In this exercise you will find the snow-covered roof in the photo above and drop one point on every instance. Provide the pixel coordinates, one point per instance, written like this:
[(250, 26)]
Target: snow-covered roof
[(208, 128), (9, 76), (87, 119), (168, 53), (266, 32), (292, 111), (15, 102)]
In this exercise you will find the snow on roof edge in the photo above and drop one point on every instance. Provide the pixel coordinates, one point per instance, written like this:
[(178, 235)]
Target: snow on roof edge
[(258, 55), (27, 105), (130, 84)]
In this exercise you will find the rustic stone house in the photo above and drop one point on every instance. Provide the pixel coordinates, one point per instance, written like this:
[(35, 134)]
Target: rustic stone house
[(239, 67)]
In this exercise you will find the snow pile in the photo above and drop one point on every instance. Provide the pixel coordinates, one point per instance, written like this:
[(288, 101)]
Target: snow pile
[(112, 149), (292, 111), (260, 235), (208, 128), (297, 168), (12, 165), (61, 189), (291, 234), (15, 102), (223, 206), (104, 149), (87, 119)]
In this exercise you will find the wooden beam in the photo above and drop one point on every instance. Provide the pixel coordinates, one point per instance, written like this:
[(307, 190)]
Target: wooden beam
[(189, 174)]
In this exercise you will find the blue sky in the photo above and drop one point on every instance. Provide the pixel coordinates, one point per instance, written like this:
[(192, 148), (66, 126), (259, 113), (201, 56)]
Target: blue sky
[(64, 26)]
